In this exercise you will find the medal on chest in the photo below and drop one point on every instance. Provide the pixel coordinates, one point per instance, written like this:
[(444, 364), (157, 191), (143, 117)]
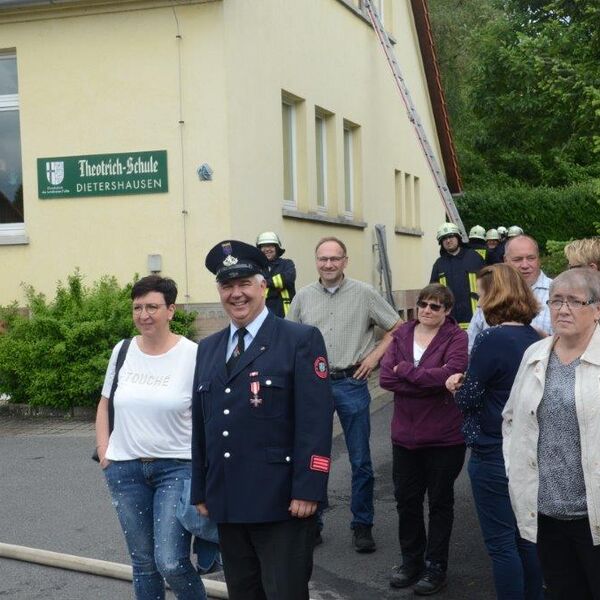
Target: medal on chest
[(255, 401)]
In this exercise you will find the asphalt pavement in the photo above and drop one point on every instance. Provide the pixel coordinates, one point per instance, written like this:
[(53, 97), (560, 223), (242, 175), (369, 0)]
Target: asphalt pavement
[(53, 497)]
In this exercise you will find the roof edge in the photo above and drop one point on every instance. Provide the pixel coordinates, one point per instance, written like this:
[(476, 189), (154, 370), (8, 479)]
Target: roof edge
[(436, 94)]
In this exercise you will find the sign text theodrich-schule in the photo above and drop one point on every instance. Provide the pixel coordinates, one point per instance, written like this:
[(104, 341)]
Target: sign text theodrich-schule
[(103, 175)]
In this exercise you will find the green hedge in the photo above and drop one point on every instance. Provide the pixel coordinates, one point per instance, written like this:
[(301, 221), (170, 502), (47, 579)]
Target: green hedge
[(543, 212), (56, 355)]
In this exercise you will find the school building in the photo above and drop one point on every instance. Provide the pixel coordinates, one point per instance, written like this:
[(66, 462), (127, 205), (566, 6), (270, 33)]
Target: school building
[(136, 134)]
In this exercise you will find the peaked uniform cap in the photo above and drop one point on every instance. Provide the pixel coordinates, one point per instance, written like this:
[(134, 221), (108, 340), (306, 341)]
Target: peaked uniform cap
[(232, 259)]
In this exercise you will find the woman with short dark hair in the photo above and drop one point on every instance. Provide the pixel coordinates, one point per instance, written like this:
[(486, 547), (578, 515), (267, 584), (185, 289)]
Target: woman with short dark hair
[(509, 306), (428, 447), (147, 456), (552, 440)]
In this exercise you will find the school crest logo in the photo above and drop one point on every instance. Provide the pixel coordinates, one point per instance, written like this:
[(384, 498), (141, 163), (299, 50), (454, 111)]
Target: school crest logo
[(55, 172)]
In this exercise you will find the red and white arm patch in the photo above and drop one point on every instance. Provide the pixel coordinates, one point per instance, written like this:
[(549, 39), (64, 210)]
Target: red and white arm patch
[(320, 463), (321, 369)]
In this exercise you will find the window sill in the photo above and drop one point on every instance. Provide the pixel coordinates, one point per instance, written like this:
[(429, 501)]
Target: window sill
[(11, 235), (320, 218), (411, 231), (364, 15)]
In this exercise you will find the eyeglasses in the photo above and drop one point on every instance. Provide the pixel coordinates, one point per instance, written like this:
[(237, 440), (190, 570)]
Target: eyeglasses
[(323, 260), (432, 305), (556, 304), (150, 308)]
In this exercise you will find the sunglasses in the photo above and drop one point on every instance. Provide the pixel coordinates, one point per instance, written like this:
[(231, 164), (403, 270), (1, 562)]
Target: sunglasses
[(432, 305)]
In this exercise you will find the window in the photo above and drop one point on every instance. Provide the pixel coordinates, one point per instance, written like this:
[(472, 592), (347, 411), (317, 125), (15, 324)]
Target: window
[(288, 115), (321, 156), (408, 202), (11, 173), (348, 170)]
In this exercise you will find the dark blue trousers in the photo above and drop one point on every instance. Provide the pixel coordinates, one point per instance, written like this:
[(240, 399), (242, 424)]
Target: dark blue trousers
[(515, 563)]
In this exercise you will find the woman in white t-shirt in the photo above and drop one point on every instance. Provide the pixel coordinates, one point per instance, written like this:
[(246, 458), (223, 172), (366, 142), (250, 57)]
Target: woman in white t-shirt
[(147, 456)]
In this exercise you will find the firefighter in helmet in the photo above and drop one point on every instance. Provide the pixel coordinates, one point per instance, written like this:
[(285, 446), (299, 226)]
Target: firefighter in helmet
[(477, 240), (281, 274), (456, 268)]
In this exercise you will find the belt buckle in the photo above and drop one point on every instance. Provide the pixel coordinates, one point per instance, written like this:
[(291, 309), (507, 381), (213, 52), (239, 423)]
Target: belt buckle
[(147, 459)]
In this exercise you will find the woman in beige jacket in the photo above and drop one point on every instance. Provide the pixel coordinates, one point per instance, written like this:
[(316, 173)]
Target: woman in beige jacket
[(551, 447)]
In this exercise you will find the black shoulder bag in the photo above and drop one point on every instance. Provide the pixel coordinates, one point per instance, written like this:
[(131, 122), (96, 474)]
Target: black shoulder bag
[(111, 407)]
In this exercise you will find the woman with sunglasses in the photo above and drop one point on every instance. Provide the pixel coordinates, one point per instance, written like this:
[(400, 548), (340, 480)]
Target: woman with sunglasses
[(147, 456), (508, 305), (428, 446)]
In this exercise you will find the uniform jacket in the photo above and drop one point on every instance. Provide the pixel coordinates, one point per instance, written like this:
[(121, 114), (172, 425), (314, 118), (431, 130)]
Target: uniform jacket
[(424, 411), (479, 247), (458, 273), (520, 432), (281, 278), (248, 463)]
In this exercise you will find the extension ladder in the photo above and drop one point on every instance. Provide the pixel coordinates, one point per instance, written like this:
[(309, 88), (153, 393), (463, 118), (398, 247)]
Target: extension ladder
[(413, 116)]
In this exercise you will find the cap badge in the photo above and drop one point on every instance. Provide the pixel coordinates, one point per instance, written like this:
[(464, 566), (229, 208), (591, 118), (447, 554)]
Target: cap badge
[(230, 261)]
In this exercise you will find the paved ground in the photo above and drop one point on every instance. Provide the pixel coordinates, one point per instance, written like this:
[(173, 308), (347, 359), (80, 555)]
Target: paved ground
[(52, 496)]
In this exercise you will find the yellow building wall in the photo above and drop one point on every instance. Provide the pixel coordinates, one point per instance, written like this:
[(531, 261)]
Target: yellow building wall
[(325, 54), (106, 82)]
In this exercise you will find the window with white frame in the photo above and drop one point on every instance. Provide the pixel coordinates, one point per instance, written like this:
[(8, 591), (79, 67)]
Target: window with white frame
[(11, 173), (321, 157), (348, 170), (288, 117)]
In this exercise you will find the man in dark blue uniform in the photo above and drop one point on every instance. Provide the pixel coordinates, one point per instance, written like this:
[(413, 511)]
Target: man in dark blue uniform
[(280, 274), (262, 416)]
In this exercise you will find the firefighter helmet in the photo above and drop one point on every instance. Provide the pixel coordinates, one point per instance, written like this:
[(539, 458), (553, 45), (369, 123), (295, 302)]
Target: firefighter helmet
[(502, 231), (492, 234), (270, 237), (477, 232), (447, 230), (513, 231)]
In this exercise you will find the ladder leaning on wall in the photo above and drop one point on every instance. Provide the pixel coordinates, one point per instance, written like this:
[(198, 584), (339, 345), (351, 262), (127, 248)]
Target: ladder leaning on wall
[(413, 116)]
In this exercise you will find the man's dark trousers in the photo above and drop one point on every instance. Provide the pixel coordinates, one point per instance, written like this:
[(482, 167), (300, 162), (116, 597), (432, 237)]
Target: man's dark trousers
[(268, 561)]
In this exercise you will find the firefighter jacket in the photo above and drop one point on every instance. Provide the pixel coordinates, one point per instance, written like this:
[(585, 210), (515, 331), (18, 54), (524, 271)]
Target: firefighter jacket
[(261, 434), (458, 272), (281, 278)]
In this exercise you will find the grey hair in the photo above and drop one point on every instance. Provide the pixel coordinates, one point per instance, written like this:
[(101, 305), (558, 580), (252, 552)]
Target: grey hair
[(585, 279), (523, 236), (257, 277)]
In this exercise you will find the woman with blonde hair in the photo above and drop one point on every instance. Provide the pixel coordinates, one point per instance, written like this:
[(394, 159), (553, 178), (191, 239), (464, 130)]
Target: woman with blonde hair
[(509, 306)]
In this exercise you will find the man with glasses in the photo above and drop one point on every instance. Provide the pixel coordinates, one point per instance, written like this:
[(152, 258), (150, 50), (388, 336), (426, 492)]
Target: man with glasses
[(346, 311), (523, 254)]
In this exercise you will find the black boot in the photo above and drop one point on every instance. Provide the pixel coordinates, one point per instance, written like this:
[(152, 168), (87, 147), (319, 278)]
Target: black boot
[(402, 576), (432, 581)]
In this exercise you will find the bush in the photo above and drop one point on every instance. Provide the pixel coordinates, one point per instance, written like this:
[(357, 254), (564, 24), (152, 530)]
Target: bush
[(555, 261), (57, 354), (545, 213)]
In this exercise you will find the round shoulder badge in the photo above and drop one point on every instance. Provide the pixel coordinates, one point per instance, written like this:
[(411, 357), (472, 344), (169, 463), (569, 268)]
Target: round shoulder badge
[(321, 367)]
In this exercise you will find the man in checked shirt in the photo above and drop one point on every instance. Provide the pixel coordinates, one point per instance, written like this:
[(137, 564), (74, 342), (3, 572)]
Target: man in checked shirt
[(346, 312)]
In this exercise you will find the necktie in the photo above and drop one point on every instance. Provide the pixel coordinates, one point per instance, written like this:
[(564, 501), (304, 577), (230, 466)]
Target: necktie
[(238, 350)]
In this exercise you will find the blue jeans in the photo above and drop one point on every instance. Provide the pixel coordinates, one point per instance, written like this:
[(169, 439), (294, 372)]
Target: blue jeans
[(145, 495), (351, 400), (515, 564)]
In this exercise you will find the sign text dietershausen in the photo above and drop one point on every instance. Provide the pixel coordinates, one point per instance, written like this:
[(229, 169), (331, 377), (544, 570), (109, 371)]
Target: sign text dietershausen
[(103, 175)]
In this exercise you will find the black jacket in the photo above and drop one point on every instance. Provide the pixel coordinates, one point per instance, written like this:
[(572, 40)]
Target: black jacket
[(249, 462), (458, 273), (281, 278)]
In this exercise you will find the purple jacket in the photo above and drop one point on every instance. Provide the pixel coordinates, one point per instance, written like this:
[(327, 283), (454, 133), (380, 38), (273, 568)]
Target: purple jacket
[(424, 411)]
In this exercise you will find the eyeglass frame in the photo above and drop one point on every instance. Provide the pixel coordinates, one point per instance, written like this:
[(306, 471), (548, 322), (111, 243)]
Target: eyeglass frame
[(422, 304), (332, 259), (578, 303), (150, 308)]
